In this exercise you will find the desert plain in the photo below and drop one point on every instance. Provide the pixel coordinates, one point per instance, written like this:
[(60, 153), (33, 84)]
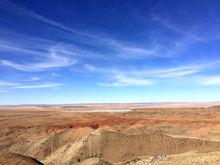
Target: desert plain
[(110, 134)]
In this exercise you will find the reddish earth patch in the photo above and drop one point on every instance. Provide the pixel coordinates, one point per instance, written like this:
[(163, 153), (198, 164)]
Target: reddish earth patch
[(96, 123)]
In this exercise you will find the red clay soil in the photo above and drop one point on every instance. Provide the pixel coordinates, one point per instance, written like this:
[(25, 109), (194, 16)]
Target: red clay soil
[(96, 123)]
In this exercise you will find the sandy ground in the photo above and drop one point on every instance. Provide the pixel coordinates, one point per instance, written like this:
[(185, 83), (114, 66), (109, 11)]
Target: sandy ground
[(163, 133)]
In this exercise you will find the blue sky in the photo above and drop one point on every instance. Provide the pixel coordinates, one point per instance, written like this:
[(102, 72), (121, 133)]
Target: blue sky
[(85, 51)]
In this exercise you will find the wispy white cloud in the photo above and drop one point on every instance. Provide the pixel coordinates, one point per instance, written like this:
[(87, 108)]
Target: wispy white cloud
[(118, 77), (14, 48), (148, 76), (173, 72), (5, 83), (121, 80), (64, 55), (18, 9), (119, 48), (54, 58), (46, 85), (90, 68), (171, 26), (209, 80), (35, 78), (129, 50), (54, 61), (12, 85)]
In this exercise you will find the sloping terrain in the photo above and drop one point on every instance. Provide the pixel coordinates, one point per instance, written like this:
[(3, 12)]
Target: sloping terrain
[(107, 146), (145, 135)]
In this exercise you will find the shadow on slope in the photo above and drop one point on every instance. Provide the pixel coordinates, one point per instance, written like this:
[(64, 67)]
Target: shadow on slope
[(105, 146)]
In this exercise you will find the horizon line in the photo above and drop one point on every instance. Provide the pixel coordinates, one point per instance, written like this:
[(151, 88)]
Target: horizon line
[(90, 103)]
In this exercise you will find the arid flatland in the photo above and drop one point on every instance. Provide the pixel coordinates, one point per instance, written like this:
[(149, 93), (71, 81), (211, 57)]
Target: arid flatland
[(117, 134)]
